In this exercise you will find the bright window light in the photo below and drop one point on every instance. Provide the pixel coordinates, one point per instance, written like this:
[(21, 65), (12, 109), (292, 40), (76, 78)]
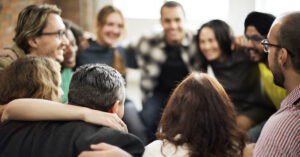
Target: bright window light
[(277, 7), (202, 10)]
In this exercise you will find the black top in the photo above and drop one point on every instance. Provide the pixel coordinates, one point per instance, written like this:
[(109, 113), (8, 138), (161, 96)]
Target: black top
[(103, 55), (173, 70), (60, 138), (241, 79)]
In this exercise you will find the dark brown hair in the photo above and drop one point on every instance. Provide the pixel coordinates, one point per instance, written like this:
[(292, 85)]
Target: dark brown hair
[(202, 115)]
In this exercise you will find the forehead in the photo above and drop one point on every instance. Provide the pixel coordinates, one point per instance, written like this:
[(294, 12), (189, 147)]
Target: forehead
[(114, 17), (172, 12), (206, 32), (251, 31), (70, 35), (54, 23), (273, 32)]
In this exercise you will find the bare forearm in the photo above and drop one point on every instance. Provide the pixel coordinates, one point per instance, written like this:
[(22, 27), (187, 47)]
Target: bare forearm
[(39, 109)]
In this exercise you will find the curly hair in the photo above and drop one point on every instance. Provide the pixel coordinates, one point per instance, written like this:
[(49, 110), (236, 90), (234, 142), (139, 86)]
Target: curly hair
[(200, 111), (30, 77)]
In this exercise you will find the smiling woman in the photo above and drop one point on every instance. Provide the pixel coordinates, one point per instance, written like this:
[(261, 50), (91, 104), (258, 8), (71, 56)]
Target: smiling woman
[(239, 76), (110, 29)]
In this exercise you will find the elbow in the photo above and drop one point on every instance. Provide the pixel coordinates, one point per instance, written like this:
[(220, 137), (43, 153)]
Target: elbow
[(3, 113), (6, 110)]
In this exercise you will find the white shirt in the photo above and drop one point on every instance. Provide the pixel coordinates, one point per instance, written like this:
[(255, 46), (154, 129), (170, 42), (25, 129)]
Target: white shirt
[(169, 150)]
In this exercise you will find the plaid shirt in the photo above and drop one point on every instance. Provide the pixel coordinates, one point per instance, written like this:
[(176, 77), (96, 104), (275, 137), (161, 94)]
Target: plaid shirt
[(281, 134), (150, 55)]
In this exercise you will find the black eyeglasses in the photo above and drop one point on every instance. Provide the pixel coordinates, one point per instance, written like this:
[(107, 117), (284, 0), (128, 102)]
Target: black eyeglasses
[(60, 33), (267, 46)]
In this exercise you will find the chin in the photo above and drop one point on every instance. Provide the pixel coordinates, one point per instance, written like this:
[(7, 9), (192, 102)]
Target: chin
[(59, 59)]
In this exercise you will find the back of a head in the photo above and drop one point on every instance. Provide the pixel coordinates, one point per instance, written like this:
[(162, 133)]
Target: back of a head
[(261, 21), (96, 86), (289, 37), (31, 22), (171, 4), (200, 110), (30, 77)]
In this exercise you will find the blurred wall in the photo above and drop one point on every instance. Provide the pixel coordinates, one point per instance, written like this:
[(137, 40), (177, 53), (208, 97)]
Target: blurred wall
[(9, 10)]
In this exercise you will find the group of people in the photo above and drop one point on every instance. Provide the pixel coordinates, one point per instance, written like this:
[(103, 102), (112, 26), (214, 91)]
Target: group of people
[(203, 94)]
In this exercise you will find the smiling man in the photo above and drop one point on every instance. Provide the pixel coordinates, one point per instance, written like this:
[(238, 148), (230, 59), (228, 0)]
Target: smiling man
[(164, 60), (40, 31), (257, 26)]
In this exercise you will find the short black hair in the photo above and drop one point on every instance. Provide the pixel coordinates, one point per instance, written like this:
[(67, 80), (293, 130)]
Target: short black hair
[(96, 86), (171, 4)]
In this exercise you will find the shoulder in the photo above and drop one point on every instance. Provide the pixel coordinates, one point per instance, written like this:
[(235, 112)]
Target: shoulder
[(92, 134), (5, 62), (157, 147), (153, 149), (152, 39)]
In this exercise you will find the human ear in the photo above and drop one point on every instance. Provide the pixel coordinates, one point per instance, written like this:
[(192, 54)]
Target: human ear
[(115, 107), (282, 59), (32, 42)]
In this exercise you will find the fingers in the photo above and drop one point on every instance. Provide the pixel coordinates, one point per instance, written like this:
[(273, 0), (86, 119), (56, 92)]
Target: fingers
[(102, 146), (91, 154), (240, 42), (121, 124), (248, 150), (8, 53), (104, 118)]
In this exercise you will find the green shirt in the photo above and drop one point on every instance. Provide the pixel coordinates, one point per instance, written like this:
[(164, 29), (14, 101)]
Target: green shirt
[(66, 76)]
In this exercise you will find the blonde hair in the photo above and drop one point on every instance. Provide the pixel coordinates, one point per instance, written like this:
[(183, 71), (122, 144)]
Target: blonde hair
[(30, 77)]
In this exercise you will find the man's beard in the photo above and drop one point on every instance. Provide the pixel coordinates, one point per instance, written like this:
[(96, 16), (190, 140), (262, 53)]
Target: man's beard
[(278, 76), (260, 56)]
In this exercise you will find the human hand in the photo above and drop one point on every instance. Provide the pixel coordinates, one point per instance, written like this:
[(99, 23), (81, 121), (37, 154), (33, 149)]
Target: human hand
[(240, 43), (85, 39), (248, 150), (111, 120), (8, 53), (104, 150)]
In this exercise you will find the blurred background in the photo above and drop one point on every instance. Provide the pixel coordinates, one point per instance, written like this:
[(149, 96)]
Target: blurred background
[(142, 17)]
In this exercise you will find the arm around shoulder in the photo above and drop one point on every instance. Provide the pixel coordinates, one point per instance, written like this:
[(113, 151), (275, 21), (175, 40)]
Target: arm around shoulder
[(39, 109)]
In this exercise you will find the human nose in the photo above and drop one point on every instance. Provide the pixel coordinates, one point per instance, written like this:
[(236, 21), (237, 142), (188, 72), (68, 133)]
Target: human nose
[(65, 41), (173, 24), (250, 44), (116, 29), (205, 45)]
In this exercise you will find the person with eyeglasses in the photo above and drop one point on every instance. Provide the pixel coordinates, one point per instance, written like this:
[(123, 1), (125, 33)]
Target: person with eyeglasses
[(40, 31), (257, 25), (280, 135), (235, 71), (42, 35)]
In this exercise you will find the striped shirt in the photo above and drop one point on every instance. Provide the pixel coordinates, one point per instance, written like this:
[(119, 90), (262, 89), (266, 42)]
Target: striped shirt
[(281, 134)]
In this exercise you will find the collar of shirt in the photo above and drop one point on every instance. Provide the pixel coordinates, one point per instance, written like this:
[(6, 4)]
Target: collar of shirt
[(291, 99)]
